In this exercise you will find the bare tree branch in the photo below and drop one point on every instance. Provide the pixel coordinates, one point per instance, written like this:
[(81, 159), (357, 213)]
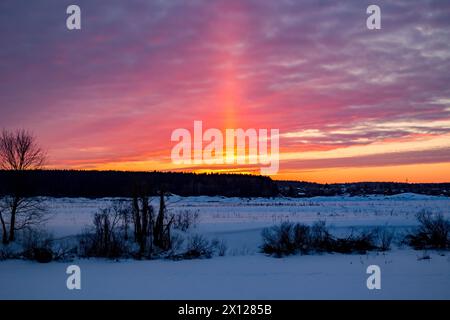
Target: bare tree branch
[(19, 151)]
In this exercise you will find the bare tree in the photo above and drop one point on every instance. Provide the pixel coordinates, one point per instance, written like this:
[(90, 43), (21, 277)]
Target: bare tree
[(19, 152), (4, 228), (151, 231), (143, 217), (161, 229)]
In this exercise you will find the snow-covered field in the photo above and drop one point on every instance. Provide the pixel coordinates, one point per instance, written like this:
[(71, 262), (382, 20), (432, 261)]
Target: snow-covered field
[(245, 273)]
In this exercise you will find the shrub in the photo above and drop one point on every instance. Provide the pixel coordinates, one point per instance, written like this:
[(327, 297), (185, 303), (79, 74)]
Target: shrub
[(42, 255), (105, 240), (433, 232), (302, 238), (321, 239), (219, 246), (40, 246), (384, 237), (185, 219), (360, 243), (132, 230), (280, 240), (177, 247), (37, 245), (289, 238), (65, 249), (198, 247), (10, 251)]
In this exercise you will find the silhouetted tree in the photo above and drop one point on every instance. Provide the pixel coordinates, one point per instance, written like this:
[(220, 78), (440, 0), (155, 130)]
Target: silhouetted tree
[(19, 152), (161, 231)]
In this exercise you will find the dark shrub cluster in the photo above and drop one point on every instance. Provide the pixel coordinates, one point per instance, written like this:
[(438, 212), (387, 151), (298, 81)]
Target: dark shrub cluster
[(321, 238), (104, 240), (359, 243), (286, 238), (185, 219), (137, 230), (7, 252), (129, 229), (433, 232), (37, 245), (384, 236), (40, 246), (199, 247), (292, 238)]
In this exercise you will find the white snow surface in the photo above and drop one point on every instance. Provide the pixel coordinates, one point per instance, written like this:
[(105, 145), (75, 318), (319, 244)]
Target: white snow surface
[(245, 273)]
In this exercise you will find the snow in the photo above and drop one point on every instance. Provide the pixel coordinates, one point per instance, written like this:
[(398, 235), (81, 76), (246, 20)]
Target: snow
[(70, 216), (328, 276), (245, 273)]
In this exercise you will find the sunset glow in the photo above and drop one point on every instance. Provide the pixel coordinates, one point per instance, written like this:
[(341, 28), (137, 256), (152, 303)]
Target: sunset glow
[(351, 104)]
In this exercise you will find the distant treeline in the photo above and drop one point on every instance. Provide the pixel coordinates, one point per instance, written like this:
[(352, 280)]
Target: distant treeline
[(308, 189), (96, 184)]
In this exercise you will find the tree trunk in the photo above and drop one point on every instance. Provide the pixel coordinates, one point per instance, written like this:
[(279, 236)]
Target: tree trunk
[(159, 225), (12, 226), (145, 220), (4, 231), (137, 220)]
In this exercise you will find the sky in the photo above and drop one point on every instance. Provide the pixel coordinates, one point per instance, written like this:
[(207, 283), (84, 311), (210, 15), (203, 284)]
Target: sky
[(351, 104)]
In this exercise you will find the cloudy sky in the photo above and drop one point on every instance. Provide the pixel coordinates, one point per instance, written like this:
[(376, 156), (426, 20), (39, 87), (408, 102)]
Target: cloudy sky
[(351, 104)]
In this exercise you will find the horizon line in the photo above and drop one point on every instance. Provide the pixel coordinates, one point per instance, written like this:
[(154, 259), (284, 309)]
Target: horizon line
[(221, 173)]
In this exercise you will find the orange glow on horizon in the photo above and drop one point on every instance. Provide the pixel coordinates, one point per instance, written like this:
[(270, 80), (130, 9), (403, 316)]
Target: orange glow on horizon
[(415, 173), (315, 166)]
